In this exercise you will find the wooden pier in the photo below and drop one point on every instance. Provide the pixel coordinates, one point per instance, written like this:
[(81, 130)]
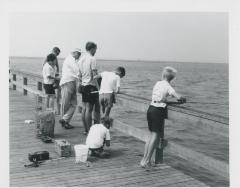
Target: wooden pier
[(210, 164), (122, 169)]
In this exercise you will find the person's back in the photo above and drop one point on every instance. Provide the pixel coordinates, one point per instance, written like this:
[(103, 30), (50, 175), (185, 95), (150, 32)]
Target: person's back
[(96, 136), (47, 71), (110, 82), (88, 87), (161, 90), (110, 86), (87, 63), (70, 70)]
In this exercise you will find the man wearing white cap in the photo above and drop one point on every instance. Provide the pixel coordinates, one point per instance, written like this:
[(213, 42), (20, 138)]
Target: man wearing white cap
[(68, 83)]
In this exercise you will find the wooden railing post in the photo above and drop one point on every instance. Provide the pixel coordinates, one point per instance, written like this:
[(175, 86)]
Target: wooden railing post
[(158, 154), (14, 79), (25, 84)]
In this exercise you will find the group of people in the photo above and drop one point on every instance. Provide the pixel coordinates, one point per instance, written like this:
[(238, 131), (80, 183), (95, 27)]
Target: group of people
[(98, 90)]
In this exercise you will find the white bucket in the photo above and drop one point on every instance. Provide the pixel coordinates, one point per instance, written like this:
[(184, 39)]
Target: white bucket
[(81, 153)]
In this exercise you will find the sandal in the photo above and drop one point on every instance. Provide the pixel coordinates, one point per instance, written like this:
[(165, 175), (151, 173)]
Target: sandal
[(146, 166)]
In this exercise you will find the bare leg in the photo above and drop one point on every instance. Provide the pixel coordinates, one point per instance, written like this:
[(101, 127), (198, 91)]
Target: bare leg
[(108, 110), (154, 160), (103, 108), (47, 101), (151, 146), (143, 161), (97, 112), (51, 102), (58, 94), (84, 116), (88, 115)]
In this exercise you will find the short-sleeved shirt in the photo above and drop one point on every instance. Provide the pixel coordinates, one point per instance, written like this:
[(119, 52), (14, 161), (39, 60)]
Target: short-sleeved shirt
[(161, 91), (48, 70), (96, 136), (70, 70), (110, 82), (57, 65), (87, 64)]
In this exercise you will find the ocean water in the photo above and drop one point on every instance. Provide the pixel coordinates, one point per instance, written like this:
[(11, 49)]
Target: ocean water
[(205, 85)]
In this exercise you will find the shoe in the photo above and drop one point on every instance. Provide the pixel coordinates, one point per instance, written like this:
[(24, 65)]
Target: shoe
[(68, 126), (62, 122), (94, 154), (104, 155), (46, 139)]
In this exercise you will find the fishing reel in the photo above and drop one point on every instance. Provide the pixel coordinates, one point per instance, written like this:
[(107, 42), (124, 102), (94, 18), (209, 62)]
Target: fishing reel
[(182, 100)]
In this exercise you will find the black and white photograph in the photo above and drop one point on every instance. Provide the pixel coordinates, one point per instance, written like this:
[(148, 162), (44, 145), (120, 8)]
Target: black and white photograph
[(118, 98)]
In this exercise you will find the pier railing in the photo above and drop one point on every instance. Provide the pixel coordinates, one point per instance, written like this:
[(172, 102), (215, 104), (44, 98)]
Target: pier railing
[(206, 122)]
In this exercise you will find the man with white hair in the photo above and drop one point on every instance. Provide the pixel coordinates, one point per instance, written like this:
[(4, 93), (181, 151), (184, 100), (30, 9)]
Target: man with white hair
[(68, 83)]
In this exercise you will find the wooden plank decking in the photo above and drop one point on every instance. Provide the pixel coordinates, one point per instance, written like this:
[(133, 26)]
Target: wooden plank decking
[(120, 170)]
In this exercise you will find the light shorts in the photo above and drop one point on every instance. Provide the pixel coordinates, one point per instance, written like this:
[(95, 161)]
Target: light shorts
[(106, 99)]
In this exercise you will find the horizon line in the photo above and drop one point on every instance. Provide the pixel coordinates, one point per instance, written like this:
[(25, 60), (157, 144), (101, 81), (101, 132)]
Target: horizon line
[(131, 60)]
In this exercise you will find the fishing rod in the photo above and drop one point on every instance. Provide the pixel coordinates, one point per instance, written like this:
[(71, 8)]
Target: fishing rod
[(199, 102), (169, 102)]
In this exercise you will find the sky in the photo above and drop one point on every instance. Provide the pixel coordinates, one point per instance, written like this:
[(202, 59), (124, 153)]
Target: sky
[(157, 36)]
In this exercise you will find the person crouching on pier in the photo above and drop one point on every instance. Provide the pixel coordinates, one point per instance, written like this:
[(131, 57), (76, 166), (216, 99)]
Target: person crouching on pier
[(110, 86), (157, 112), (49, 73), (98, 136)]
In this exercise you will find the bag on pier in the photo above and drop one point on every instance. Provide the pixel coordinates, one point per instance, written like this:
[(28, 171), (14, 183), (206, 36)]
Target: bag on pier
[(38, 156), (63, 148), (45, 123)]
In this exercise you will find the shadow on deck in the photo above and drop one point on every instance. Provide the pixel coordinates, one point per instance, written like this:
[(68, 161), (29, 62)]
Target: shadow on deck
[(122, 169)]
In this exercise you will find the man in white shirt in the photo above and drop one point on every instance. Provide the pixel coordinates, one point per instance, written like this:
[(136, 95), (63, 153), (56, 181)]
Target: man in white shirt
[(110, 86), (68, 83), (89, 87)]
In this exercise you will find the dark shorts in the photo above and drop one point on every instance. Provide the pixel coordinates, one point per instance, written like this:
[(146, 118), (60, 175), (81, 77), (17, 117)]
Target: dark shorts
[(49, 89), (87, 96), (155, 118)]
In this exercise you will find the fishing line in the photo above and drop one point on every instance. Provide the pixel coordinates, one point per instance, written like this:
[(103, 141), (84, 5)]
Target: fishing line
[(199, 102)]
